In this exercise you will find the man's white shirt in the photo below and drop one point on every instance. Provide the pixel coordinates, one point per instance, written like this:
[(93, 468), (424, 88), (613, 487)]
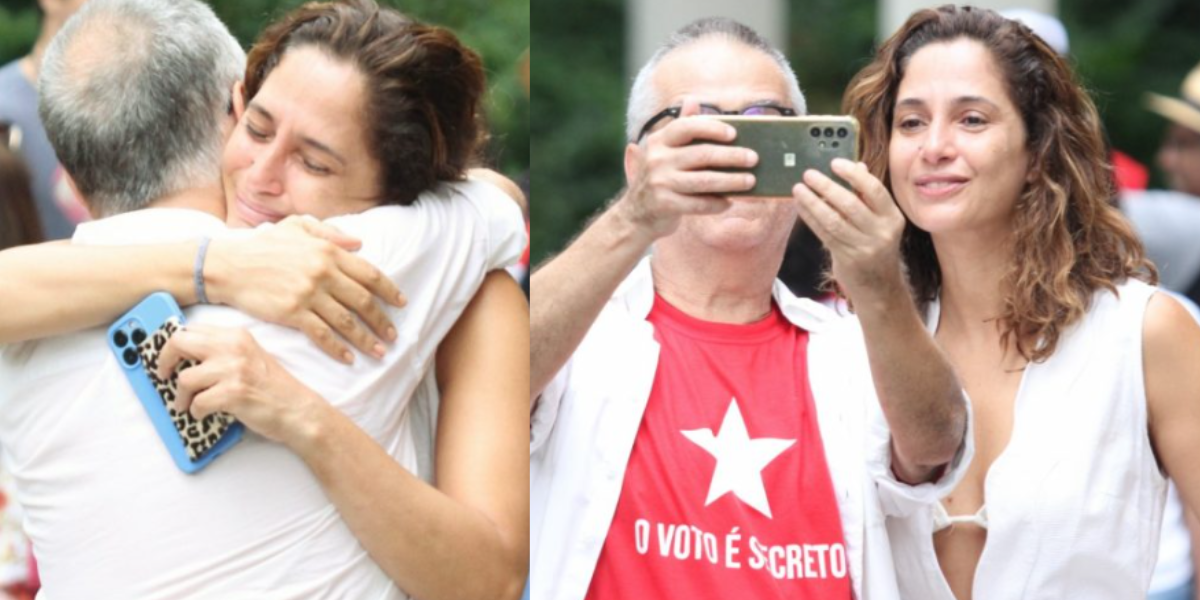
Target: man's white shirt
[(110, 514), (584, 425)]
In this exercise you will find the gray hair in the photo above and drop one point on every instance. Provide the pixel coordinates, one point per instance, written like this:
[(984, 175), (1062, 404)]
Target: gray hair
[(133, 97), (643, 98)]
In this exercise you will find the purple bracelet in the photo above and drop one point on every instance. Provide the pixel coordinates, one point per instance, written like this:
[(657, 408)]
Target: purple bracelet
[(198, 271)]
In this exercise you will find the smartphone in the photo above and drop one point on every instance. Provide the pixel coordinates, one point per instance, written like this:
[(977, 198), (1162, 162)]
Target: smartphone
[(788, 146), (137, 339)]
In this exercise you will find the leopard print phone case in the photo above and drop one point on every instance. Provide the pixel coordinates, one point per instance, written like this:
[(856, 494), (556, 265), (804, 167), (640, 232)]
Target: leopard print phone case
[(199, 436), (137, 340)]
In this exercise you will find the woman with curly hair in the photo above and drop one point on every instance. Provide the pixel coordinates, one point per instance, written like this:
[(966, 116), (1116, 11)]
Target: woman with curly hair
[(1082, 375)]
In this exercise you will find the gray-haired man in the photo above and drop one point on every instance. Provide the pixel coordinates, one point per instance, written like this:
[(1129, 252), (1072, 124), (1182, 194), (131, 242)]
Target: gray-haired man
[(697, 430)]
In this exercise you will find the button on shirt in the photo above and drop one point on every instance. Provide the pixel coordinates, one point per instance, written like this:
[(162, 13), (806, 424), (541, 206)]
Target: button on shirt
[(110, 514)]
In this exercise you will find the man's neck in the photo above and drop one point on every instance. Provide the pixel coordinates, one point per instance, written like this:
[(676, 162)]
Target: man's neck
[(721, 288), (204, 199)]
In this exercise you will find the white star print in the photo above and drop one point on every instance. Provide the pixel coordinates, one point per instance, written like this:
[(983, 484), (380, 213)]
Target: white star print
[(740, 460)]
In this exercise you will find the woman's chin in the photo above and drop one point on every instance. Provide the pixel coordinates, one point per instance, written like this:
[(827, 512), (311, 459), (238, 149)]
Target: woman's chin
[(938, 220)]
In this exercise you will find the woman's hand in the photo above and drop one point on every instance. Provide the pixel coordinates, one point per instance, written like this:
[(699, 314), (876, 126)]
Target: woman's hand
[(860, 228), (235, 375), (301, 274)]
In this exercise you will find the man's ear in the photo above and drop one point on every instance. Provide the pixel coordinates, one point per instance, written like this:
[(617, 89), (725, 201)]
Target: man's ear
[(238, 100), (84, 200), (633, 158)]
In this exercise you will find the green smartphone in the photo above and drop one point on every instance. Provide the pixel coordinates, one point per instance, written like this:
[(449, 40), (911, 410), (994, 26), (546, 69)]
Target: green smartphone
[(787, 146)]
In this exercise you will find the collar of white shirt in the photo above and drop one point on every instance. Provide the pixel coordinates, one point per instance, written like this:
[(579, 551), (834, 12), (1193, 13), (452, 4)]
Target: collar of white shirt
[(148, 226), (637, 294)]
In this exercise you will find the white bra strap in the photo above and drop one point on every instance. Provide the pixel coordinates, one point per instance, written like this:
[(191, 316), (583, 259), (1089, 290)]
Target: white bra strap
[(942, 519)]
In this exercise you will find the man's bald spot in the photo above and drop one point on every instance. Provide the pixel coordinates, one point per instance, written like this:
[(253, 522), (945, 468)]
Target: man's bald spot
[(109, 49)]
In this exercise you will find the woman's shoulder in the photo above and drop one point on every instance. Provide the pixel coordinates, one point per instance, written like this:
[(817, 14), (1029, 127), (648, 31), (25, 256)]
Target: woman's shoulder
[(1170, 344), (1152, 305), (1171, 350), (1170, 320)]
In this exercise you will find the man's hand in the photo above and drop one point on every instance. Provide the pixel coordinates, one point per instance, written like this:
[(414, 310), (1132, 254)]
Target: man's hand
[(671, 177), (861, 231), (301, 274)]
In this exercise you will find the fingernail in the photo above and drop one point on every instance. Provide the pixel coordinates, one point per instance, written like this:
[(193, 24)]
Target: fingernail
[(391, 334), (751, 158), (401, 300), (378, 350), (347, 357), (748, 181)]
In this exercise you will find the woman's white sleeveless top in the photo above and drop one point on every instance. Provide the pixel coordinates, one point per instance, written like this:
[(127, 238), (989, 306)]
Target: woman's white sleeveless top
[(1075, 500)]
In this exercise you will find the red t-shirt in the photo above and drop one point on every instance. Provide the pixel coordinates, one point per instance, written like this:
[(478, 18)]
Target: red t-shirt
[(727, 493)]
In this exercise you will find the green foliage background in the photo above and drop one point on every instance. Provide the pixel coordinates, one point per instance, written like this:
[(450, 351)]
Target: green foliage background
[(1121, 49), (497, 29)]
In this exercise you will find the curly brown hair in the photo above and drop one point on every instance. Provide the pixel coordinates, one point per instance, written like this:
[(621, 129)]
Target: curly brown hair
[(1069, 240), (424, 87)]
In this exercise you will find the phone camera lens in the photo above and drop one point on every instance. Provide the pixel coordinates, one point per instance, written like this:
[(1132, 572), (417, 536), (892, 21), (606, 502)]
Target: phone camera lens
[(120, 339), (842, 132), (130, 357), (139, 336), (815, 131), (828, 132)]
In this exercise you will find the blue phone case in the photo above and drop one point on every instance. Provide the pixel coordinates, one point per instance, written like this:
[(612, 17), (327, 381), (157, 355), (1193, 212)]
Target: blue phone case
[(139, 334)]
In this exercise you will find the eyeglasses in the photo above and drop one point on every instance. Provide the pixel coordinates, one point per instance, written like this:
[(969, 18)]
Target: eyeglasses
[(754, 110), (10, 136)]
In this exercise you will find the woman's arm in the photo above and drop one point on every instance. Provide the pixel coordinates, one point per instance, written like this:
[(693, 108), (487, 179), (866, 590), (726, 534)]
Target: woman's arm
[(54, 288), (468, 538), (482, 457), (297, 274), (1171, 355), (1193, 526)]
